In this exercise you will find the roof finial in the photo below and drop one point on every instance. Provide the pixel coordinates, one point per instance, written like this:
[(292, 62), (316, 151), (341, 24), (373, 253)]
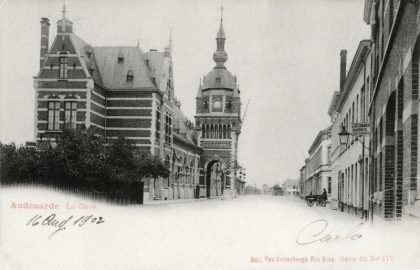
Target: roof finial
[(63, 25), (170, 36), (221, 13)]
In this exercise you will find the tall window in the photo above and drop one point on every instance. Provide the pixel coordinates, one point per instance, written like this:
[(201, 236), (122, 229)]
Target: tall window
[(356, 118), (70, 113), (362, 105), (168, 127), (54, 115), (63, 67), (157, 134), (329, 185)]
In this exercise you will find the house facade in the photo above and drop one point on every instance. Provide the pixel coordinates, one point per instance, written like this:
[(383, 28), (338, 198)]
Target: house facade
[(349, 163), (291, 187), (317, 167)]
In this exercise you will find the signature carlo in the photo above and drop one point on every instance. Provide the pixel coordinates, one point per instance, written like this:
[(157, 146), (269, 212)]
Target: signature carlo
[(316, 232)]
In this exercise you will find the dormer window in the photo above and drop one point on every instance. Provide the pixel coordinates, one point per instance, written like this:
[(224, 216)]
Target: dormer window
[(63, 67), (218, 80), (120, 57), (130, 75)]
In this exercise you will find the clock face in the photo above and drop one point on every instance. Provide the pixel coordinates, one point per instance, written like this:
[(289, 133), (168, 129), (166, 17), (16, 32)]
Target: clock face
[(217, 104)]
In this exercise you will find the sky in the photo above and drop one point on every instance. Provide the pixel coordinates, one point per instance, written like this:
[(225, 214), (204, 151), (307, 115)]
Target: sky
[(285, 54)]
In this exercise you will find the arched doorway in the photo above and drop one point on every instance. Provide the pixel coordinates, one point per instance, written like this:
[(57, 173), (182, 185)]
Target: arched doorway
[(215, 178)]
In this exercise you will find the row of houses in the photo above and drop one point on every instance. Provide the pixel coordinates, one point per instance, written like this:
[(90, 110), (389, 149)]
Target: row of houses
[(367, 159), (289, 187)]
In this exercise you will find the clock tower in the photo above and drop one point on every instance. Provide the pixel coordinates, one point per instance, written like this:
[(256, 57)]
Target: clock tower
[(218, 124)]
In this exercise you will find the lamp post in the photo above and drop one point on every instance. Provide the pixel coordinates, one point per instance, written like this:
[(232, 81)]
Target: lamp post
[(344, 137)]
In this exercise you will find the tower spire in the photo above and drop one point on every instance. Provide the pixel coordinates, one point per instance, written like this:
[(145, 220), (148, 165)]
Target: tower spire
[(221, 13), (220, 56)]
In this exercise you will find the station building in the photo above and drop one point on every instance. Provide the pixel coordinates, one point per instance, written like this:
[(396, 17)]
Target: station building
[(125, 91)]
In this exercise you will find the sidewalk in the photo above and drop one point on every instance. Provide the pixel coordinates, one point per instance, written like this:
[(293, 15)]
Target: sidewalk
[(177, 201)]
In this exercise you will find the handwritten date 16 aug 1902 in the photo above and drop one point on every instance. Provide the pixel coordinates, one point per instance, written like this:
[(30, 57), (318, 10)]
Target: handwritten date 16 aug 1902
[(60, 224)]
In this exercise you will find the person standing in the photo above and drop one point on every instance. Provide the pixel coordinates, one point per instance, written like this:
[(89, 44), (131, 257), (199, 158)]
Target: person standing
[(324, 197)]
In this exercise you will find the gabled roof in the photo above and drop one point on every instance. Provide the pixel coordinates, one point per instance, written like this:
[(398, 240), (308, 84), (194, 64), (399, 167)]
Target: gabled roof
[(114, 74), (80, 46)]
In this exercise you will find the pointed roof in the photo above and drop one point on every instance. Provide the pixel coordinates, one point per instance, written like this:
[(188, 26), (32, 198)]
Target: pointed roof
[(221, 33), (200, 90)]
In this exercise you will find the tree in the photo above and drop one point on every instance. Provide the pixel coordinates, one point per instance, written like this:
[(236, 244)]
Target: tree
[(82, 153), (150, 166), (83, 160)]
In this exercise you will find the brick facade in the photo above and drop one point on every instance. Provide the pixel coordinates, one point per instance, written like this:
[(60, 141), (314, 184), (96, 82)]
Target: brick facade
[(395, 103), (118, 91)]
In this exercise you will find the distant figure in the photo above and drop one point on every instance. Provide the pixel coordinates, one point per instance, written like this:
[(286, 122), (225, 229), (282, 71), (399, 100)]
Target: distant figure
[(324, 197), (310, 194), (324, 194), (197, 191)]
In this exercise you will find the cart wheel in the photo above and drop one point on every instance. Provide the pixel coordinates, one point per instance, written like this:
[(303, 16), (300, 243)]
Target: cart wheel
[(319, 202), (310, 203)]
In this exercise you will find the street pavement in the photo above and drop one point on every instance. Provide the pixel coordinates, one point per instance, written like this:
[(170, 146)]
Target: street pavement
[(249, 232)]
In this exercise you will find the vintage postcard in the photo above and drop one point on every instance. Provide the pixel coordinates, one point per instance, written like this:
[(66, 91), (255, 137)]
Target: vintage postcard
[(209, 134)]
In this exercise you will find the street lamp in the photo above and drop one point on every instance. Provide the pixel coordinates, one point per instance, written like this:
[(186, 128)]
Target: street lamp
[(344, 136)]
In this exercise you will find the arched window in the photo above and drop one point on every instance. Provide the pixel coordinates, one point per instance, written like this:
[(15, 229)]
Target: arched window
[(216, 129), (203, 131), (220, 132), (211, 131), (224, 131), (228, 132)]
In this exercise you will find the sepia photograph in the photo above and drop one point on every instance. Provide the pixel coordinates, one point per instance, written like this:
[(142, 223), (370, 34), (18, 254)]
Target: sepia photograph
[(209, 134)]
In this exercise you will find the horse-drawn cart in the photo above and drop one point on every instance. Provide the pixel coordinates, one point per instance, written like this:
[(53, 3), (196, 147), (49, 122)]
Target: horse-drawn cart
[(312, 199)]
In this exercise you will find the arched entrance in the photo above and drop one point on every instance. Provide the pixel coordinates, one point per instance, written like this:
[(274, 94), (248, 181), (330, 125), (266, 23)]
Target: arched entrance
[(215, 178)]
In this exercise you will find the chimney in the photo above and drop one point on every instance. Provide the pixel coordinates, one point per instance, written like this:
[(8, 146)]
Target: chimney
[(45, 33), (343, 62)]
